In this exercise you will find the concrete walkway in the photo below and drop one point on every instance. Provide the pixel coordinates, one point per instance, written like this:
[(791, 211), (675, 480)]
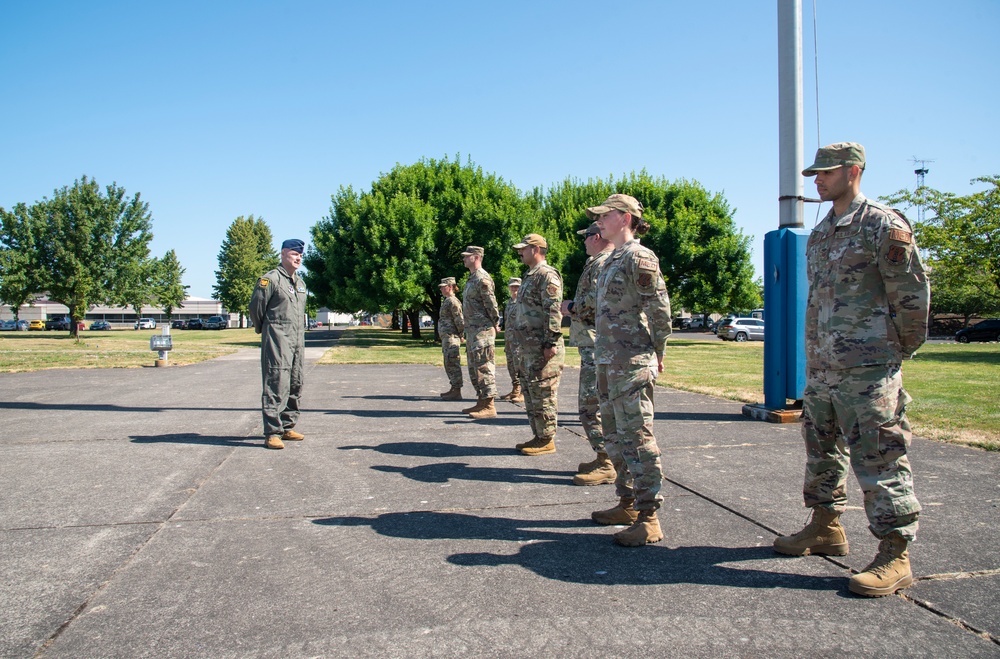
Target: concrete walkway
[(142, 517)]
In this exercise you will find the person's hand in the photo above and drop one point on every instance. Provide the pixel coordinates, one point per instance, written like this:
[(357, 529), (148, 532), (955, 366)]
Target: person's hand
[(564, 307), (659, 364), (550, 352)]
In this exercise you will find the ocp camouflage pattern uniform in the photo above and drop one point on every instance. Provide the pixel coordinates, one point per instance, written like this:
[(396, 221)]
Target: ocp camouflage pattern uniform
[(510, 350), (278, 312), (867, 311), (538, 325), (479, 306), (581, 334), (450, 328), (633, 323)]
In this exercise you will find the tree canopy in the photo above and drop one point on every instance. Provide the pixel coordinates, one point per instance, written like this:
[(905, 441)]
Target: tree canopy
[(169, 290), (246, 254)]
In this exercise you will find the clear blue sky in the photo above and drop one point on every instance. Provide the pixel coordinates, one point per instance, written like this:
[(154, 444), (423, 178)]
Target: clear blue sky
[(213, 110)]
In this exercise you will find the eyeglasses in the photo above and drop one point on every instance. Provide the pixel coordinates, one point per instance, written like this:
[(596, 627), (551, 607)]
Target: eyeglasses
[(590, 235)]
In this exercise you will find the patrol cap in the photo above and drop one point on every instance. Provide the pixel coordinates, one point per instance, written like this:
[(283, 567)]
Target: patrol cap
[(473, 250), (836, 155), (514, 281), (294, 244), (532, 239), (448, 281), (593, 229), (620, 202)]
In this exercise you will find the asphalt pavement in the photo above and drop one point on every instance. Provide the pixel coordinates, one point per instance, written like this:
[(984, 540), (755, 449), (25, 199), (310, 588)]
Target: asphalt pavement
[(142, 517)]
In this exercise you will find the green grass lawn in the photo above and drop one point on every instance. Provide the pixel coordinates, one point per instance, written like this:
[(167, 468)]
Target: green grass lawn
[(952, 384)]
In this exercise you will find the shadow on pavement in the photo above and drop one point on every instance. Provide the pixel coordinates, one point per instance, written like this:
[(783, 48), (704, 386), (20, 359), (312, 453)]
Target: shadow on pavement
[(590, 558), (105, 407), (203, 440), (431, 449), (442, 473)]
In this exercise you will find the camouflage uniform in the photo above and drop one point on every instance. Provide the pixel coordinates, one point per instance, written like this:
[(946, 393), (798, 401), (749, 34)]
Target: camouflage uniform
[(510, 350), (633, 323), (278, 312), (479, 306), (450, 328), (538, 325), (581, 334), (867, 311)]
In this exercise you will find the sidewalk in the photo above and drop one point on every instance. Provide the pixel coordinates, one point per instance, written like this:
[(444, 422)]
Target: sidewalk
[(142, 517)]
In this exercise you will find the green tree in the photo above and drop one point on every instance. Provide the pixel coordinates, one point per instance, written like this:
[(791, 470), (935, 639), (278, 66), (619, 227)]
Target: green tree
[(169, 290), (960, 240), (85, 240), (387, 249), (19, 281), (246, 254)]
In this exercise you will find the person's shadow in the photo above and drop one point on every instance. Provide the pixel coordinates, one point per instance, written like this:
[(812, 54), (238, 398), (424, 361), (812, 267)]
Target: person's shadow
[(591, 558), (447, 471)]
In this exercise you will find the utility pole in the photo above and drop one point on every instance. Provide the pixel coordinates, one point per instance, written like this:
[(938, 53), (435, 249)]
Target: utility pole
[(920, 171)]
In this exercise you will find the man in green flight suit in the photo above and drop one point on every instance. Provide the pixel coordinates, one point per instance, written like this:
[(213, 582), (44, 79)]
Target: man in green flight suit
[(278, 312)]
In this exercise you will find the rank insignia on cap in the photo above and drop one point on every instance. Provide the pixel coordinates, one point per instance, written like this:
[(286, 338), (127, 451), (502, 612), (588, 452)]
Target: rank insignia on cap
[(900, 235), (263, 282)]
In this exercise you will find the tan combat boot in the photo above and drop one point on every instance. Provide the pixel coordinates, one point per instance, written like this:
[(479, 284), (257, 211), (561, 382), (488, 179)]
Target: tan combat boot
[(487, 411), (292, 436), (889, 572), (620, 515), (539, 446), (584, 467), (274, 442), (521, 445), (455, 393), (516, 396), (644, 531), (822, 535), (507, 396), (602, 472), (475, 408)]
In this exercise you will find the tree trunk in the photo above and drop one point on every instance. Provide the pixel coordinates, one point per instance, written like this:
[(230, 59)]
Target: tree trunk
[(414, 316)]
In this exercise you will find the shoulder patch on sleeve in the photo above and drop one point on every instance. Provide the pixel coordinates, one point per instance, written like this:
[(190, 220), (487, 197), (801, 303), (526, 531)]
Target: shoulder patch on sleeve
[(264, 282), (900, 235), (647, 264), (552, 289)]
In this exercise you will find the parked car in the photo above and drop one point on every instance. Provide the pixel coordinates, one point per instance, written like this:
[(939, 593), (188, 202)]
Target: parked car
[(36, 325), (100, 325), (984, 330), (681, 323), (177, 324), (23, 326), (194, 323), (60, 323), (742, 329), (312, 324), (145, 323), (8, 325), (216, 322), (697, 322)]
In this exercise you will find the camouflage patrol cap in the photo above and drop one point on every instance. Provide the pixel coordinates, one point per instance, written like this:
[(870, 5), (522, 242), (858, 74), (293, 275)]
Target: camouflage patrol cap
[(532, 239), (448, 281), (620, 202), (836, 155), (590, 231), (472, 250), (514, 281)]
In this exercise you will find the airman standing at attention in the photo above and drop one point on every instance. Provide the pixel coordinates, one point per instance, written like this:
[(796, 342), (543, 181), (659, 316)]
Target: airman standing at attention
[(867, 311), (581, 309), (479, 306), (510, 343), (450, 327), (633, 323), (542, 351), (278, 314)]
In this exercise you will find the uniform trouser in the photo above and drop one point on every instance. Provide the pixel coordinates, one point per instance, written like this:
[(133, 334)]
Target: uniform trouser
[(859, 414), (451, 345), (626, 393), (588, 400), (282, 389), (482, 369), (510, 353), (540, 387)]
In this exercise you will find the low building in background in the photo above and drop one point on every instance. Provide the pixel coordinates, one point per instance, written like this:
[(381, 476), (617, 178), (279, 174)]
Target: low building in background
[(121, 317)]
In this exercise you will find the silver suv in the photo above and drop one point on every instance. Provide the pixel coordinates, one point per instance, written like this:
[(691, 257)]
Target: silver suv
[(742, 329)]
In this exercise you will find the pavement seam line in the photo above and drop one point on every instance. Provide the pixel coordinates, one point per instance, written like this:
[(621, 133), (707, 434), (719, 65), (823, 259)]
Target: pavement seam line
[(128, 560), (958, 622)]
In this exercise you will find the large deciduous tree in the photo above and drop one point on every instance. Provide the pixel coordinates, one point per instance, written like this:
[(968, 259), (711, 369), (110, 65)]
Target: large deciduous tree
[(246, 254), (962, 241), (19, 280), (169, 290)]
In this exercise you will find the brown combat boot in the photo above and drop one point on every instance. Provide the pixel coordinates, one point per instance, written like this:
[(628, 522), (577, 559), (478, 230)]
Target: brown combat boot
[(488, 411), (521, 445), (889, 572), (292, 436), (620, 515), (516, 396), (822, 535), (274, 442), (455, 393), (475, 408), (602, 472), (507, 396), (539, 446), (644, 531)]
